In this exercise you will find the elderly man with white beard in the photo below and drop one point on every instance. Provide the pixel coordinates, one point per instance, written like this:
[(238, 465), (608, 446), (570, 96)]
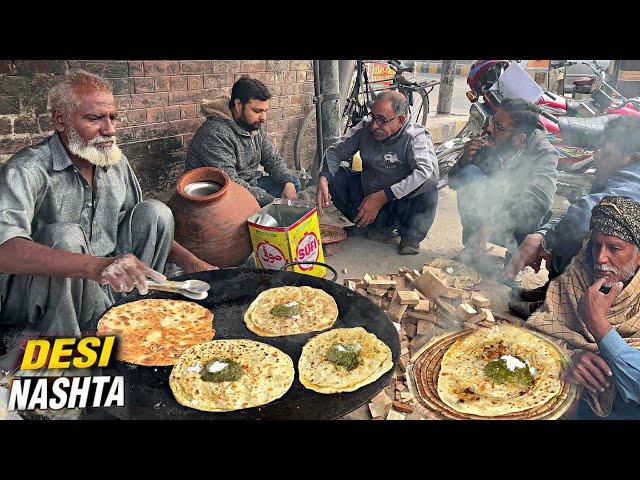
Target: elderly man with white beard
[(594, 308), (75, 234)]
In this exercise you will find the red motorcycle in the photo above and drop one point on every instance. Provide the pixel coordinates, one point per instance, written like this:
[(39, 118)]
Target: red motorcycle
[(558, 112), (574, 137)]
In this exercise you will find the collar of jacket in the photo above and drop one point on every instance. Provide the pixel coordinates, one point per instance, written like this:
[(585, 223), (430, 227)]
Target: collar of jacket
[(218, 108)]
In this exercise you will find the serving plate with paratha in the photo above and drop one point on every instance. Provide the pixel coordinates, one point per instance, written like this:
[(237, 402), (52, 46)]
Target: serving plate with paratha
[(149, 396), (446, 376)]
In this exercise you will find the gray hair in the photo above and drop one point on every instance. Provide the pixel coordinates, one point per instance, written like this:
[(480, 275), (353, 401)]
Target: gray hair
[(399, 103), (63, 96)]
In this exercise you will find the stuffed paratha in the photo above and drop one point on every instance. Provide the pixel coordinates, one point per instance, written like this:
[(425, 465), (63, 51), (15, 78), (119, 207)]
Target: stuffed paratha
[(498, 371), (343, 360), (155, 332), (291, 310), (225, 375)]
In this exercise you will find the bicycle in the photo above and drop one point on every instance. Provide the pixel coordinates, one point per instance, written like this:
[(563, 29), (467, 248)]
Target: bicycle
[(362, 94)]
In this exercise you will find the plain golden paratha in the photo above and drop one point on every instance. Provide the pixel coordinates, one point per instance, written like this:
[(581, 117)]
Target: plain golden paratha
[(267, 375), (156, 332), (305, 309), (464, 385), (317, 373)]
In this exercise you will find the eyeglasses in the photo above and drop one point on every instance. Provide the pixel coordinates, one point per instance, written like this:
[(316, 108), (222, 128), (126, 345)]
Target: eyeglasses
[(498, 126), (381, 120)]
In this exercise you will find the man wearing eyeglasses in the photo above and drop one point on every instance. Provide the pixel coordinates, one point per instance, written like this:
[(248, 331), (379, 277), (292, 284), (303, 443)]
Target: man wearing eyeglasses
[(506, 181), (397, 186)]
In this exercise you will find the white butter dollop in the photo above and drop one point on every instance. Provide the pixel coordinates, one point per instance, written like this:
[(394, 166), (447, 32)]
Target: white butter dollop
[(217, 366), (290, 304), (513, 363), (340, 348), (194, 368)]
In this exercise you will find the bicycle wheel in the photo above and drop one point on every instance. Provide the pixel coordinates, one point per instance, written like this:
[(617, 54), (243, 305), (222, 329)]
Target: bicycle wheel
[(420, 108), (305, 146)]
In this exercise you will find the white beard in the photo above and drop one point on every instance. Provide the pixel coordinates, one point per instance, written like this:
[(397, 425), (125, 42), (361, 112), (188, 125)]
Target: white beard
[(102, 157)]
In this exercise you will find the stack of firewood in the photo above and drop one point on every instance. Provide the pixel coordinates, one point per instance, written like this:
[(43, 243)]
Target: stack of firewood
[(416, 302)]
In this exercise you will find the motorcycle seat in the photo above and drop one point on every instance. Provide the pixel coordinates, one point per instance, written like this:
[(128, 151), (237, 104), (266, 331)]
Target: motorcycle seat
[(583, 81), (583, 132)]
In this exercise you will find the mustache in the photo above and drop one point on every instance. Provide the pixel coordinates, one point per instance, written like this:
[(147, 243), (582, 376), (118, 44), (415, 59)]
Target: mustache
[(605, 267), (101, 139)]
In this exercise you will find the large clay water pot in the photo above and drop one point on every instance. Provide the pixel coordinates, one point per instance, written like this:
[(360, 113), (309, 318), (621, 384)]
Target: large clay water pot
[(210, 213)]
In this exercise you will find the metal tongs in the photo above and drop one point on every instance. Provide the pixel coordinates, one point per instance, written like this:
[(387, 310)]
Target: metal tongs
[(195, 289)]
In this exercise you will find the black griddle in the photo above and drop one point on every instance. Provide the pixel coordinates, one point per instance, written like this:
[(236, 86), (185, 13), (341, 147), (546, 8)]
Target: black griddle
[(148, 395)]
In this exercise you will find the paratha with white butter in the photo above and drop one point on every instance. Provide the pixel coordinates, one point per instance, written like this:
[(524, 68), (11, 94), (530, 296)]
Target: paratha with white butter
[(226, 375), (343, 360), (500, 370), (155, 332), (291, 310)]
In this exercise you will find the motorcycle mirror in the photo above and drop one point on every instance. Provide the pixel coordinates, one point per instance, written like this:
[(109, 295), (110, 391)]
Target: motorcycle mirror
[(471, 97)]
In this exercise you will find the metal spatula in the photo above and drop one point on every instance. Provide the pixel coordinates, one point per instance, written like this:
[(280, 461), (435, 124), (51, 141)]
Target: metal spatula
[(195, 289)]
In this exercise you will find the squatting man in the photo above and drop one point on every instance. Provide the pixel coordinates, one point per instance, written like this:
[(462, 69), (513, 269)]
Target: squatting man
[(397, 188)]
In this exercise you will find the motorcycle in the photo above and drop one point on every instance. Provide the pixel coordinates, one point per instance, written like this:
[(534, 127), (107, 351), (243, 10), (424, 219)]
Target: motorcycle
[(580, 133)]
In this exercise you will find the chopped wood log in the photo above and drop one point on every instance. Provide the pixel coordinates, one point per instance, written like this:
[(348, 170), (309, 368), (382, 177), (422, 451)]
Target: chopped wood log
[(456, 293), (410, 329), (396, 310), (382, 397), (422, 305), (385, 303), (376, 291), (361, 291), (403, 362), (473, 326), (402, 407), (377, 409), (351, 285), (386, 283), (446, 306), (430, 285), (465, 311), (477, 318), (394, 415), (496, 250), (401, 387), (420, 316), (408, 297), (406, 395), (488, 315), (480, 300), (397, 326), (422, 297), (408, 278), (425, 326)]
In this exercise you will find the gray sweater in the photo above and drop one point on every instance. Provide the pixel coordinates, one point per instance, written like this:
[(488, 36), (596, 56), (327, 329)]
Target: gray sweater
[(403, 165), (221, 142)]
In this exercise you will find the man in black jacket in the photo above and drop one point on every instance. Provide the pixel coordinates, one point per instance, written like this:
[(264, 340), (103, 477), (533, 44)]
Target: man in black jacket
[(232, 138), (505, 182)]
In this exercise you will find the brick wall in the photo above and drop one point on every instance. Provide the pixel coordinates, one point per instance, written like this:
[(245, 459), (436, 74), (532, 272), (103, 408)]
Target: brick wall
[(158, 105)]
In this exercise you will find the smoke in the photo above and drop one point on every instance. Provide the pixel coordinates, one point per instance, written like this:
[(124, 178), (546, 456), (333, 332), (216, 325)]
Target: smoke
[(495, 195)]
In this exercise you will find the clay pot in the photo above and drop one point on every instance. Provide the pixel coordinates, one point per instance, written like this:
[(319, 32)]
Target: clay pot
[(210, 213)]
